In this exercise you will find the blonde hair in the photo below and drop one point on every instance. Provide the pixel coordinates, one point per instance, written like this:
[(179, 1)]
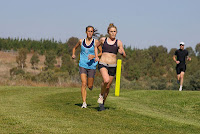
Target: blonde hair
[(110, 26)]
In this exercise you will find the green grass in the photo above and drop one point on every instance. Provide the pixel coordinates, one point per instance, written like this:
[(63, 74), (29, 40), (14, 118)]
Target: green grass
[(57, 110)]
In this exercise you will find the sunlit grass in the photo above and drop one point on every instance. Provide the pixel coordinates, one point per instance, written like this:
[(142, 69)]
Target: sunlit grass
[(57, 110)]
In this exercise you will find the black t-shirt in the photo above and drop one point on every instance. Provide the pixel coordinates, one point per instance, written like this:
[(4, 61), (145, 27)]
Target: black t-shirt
[(181, 55)]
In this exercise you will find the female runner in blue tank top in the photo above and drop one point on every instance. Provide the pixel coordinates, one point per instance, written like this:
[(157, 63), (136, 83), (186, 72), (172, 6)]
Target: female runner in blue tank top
[(108, 62), (87, 63)]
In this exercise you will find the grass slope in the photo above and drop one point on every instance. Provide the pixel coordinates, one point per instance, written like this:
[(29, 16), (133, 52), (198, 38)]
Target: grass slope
[(57, 110)]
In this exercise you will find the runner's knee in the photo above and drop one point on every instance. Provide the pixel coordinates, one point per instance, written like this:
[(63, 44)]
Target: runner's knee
[(106, 81), (84, 84), (182, 75)]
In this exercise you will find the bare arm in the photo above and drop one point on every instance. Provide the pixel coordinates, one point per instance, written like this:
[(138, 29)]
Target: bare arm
[(121, 49), (100, 51), (188, 58), (96, 53), (75, 47), (98, 46), (174, 58)]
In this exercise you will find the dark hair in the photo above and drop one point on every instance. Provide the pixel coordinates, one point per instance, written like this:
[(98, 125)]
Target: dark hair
[(95, 34), (89, 27)]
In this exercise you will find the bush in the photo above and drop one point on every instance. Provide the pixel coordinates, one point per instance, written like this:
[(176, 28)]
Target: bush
[(173, 85), (158, 83), (63, 75), (48, 76), (126, 84), (16, 71), (195, 81), (68, 65), (186, 83), (50, 60), (27, 76)]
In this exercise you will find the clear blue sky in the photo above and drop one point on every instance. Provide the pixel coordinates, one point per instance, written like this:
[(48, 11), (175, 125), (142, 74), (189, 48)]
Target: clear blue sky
[(141, 23)]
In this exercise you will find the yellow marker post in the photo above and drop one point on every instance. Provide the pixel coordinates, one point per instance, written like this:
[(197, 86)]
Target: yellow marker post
[(118, 76)]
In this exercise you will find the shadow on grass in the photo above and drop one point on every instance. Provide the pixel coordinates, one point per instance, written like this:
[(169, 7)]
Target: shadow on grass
[(93, 107), (80, 104)]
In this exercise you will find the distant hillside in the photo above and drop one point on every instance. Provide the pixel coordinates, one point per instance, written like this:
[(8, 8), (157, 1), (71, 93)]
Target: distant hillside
[(8, 61)]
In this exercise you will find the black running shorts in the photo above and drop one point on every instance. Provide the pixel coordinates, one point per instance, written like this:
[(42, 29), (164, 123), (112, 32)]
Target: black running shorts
[(111, 70), (180, 68)]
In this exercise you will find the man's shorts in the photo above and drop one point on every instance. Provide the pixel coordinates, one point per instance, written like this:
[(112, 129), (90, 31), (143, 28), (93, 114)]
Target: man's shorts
[(89, 72), (180, 68), (111, 70)]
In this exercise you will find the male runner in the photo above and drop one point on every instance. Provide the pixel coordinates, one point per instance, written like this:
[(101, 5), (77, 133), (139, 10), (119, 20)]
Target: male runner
[(179, 57)]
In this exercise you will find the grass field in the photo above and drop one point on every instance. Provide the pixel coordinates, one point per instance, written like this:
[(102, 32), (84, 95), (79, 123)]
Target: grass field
[(57, 110)]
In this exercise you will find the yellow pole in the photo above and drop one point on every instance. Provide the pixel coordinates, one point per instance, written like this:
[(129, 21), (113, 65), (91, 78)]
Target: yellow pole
[(118, 76)]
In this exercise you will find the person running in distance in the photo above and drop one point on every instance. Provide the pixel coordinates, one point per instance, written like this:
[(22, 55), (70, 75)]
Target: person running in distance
[(179, 57), (87, 63), (108, 62)]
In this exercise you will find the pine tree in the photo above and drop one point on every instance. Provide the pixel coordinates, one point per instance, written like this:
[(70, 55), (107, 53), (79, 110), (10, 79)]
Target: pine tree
[(50, 59)]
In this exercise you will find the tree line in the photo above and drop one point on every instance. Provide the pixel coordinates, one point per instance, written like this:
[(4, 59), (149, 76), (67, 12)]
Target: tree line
[(151, 68)]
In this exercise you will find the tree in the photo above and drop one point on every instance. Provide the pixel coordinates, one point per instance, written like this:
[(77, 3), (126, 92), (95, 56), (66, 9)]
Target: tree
[(50, 59), (172, 51), (60, 51), (190, 51), (197, 49), (71, 43), (34, 60), (101, 35), (155, 51), (67, 64), (195, 81), (21, 58)]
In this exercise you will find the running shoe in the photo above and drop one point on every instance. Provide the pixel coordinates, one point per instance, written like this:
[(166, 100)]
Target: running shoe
[(100, 100), (101, 107), (84, 105), (91, 88), (178, 81), (180, 89)]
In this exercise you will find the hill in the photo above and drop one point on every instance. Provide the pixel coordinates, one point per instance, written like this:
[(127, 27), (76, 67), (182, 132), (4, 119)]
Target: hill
[(8, 61)]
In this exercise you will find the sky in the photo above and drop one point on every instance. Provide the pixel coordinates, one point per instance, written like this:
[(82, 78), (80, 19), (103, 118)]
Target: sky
[(140, 23)]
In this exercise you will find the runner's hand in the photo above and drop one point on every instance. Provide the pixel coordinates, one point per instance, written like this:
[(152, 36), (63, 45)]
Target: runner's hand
[(189, 59), (90, 57), (96, 59), (177, 62), (73, 56)]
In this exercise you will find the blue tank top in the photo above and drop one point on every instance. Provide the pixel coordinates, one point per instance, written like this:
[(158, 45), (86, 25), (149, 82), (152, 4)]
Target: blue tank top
[(85, 51)]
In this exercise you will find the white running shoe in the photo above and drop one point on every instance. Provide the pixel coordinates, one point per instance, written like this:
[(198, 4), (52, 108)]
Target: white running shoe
[(180, 89), (84, 105), (100, 100)]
